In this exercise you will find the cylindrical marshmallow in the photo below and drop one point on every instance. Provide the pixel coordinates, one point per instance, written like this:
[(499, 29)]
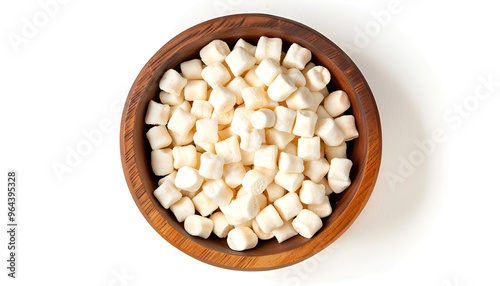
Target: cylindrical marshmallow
[(305, 123), (253, 79), (290, 181), (337, 103), (254, 182), (171, 98), (290, 148), (206, 131), (259, 232), (316, 170), (297, 77), (221, 225), (263, 118), (274, 192), (202, 109), (284, 232), (307, 223), (338, 175), (269, 219), (229, 149), (254, 97), (297, 57), (211, 166), (284, 118), (162, 162), (185, 105), (247, 157), (185, 156), (247, 46), (317, 99), (268, 48), (180, 140), (172, 82), (157, 113), (239, 61), (309, 148), (188, 179), (241, 209), (300, 99), (234, 174), (278, 138), (241, 120), (336, 151), (170, 177), (242, 238), (290, 163), (236, 86), (167, 194), (288, 206), (322, 210), (329, 132), (317, 78), (268, 70), (222, 99), (266, 156), (322, 113), (196, 89), (215, 74), (223, 118), (269, 173), (215, 51), (158, 137), (328, 189), (312, 193), (203, 204), (218, 192), (347, 124), (250, 140), (182, 209), (181, 121), (192, 69), (198, 226), (281, 88)]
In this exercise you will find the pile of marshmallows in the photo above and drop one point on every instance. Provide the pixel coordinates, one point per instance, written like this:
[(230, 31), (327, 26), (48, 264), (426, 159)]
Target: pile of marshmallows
[(240, 137)]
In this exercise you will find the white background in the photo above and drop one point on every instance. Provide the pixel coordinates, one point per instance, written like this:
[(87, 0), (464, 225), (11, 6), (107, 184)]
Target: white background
[(433, 218)]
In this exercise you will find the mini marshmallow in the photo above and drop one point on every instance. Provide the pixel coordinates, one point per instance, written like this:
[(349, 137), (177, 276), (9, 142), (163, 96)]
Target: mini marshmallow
[(182, 209), (338, 175), (236, 86), (215, 74), (269, 173), (241, 209), (250, 140), (196, 90), (158, 137), (322, 210), (234, 174), (278, 138), (288, 206), (172, 82), (281, 88), (222, 99), (241, 191), (190, 195), (203, 147), (305, 123), (269, 219), (170, 177), (262, 200), (211, 166), (180, 140), (316, 170), (171, 98), (317, 99), (206, 131), (162, 162), (297, 77), (290, 148), (188, 179), (285, 232), (247, 223), (322, 113), (242, 238), (203, 204), (157, 113), (192, 69), (325, 183), (272, 104), (312, 193), (336, 151), (262, 134), (223, 118), (247, 46), (284, 118), (347, 124), (225, 133), (309, 66), (263, 118), (254, 182), (259, 232), (201, 109), (307, 223), (197, 225), (268, 48), (247, 157), (329, 132), (290, 181), (215, 51), (274, 192), (266, 156), (254, 97), (336, 103), (290, 163), (167, 194), (297, 57), (183, 105), (221, 225), (317, 78), (218, 192), (309, 148), (300, 99), (241, 120), (181, 122), (324, 91), (229, 150), (268, 70), (253, 79), (185, 156), (239, 61)]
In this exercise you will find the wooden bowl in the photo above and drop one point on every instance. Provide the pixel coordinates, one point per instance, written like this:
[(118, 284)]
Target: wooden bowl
[(365, 151)]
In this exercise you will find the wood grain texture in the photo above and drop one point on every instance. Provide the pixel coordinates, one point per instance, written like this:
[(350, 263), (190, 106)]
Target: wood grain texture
[(365, 152)]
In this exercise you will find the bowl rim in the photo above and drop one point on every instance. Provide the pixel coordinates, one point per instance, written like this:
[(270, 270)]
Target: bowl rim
[(369, 171)]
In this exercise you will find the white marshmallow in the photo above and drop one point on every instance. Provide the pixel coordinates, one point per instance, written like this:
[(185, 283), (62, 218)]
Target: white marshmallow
[(262, 133), (242, 238), (241, 120), (285, 232), (247, 157), (324, 91), (288, 206), (305, 123), (225, 133), (250, 140), (281, 88), (337, 103), (268, 70), (182, 209), (266, 156), (218, 192), (269, 173), (308, 148), (196, 90), (309, 66), (197, 225), (236, 86), (183, 105), (322, 210), (317, 99), (300, 99), (239, 61), (259, 232), (263, 118), (290, 148), (278, 138), (347, 124), (179, 140), (201, 109), (241, 209), (317, 78), (254, 182), (223, 118), (171, 98), (203, 204), (307, 223), (191, 69), (297, 57), (272, 104), (215, 74), (325, 183), (211, 166), (221, 225), (316, 170), (206, 131), (158, 137), (262, 200), (215, 51), (253, 79), (233, 174), (185, 156), (297, 77), (254, 97), (167, 194), (274, 192), (284, 118), (290, 163), (290, 181), (329, 132), (247, 46), (157, 113), (336, 151), (269, 219), (172, 82), (222, 99), (322, 113), (162, 162), (268, 48), (190, 195), (188, 179), (170, 177), (229, 150), (181, 122), (338, 175), (312, 193)]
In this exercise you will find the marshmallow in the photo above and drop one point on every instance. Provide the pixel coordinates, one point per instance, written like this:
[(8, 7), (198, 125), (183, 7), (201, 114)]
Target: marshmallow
[(182, 209), (269, 173), (284, 118), (262, 134), (203, 204), (188, 179), (307, 223), (171, 98), (254, 97), (158, 137), (338, 175), (195, 90), (190, 195), (329, 132), (192, 69), (233, 174), (300, 99), (312, 193), (272, 104), (288, 206), (336, 151), (211, 166), (247, 157), (241, 209), (266, 156), (269, 219), (324, 91), (222, 99), (290, 181), (185, 156), (247, 223), (250, 140), (184, 105), (172, 82), (324, 182), (317, 99), (221, 225), (197, 225), (297, 57), (336, 103), (284, 232), (242, 238), (157, 113), (309, 149), (215, 51), (347, 124), (223, 118), (236, 86), (309, 66), (297, 77), (241, 120), (162, 162), (263, 118), (167, 194), (290, 163), (229, 150), (170, 177), (268, 70), (253, 79), (281, 88), (206, 131), (247, 46), (262, 200), (278, 138), (259, 232), (254, 182), (218, 192), (268, 48), (201, 109), (322, 113), (239, 61), (305, 123), (241, 191), (225, 133), (290, 148), (274, 192), (181, 121), (317, 78), (215, 74), (316, 170), (179, 140), (322, 210)]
